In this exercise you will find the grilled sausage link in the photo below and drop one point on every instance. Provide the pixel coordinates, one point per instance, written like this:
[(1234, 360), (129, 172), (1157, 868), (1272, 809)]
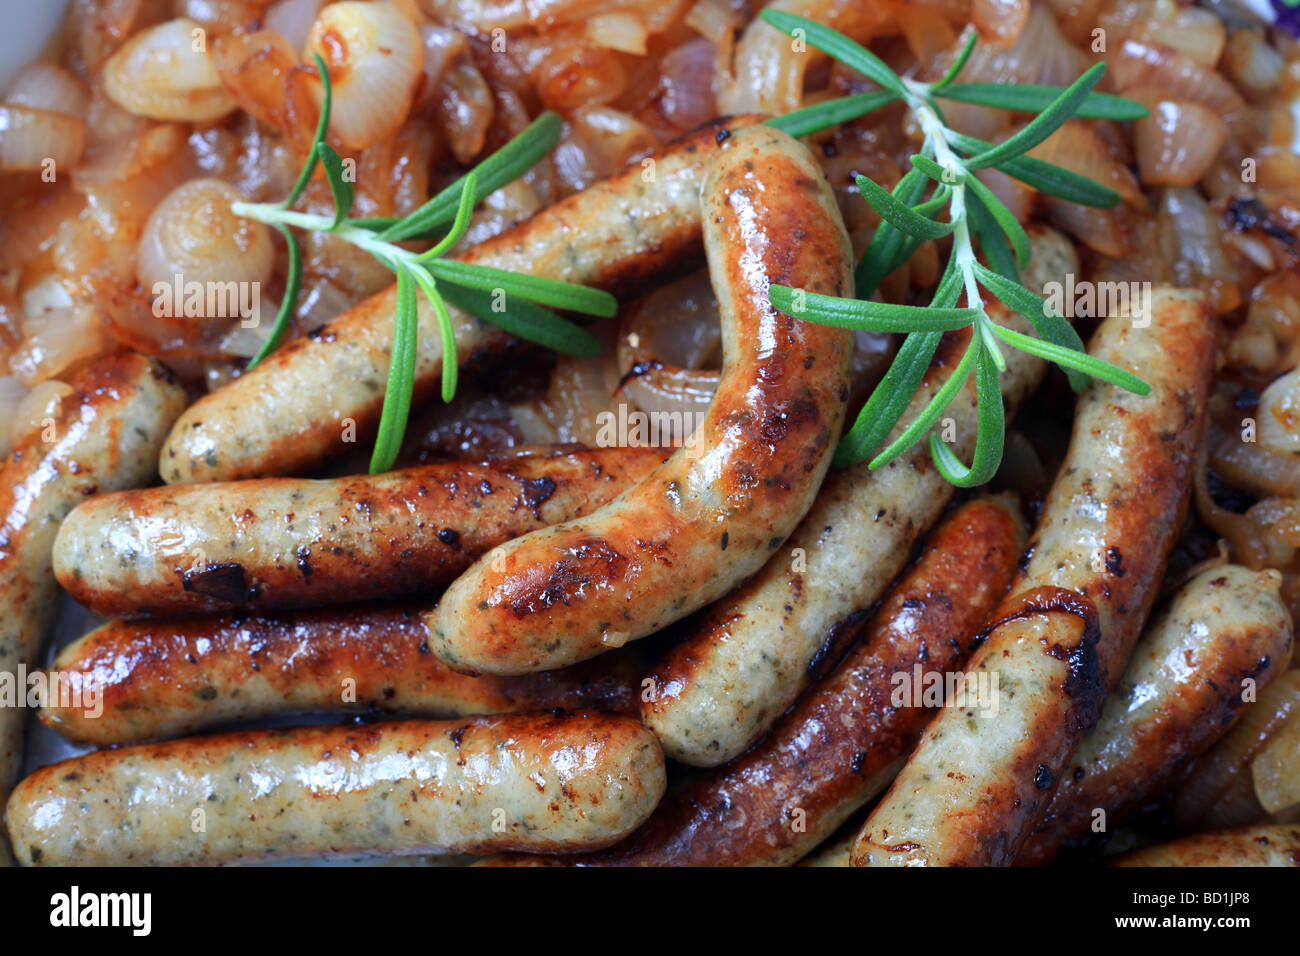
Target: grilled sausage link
[(289, 413), (531, 782), (971, 792), (129, 682), (105, 435), (1183, 689), (750, 655), (714, 512), (1277, 845), (292, 542), (840, 745)]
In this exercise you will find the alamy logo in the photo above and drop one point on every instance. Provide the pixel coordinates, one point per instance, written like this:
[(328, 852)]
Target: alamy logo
[(67, 691), (1098, 299), (654, 429), (75, 908), (209, 300), (976, 690)]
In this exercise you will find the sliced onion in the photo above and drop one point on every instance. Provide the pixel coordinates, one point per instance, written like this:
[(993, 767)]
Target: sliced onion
[(618, 30), (1279, 418), (261, 71), (1040, 54), (1189, 236), (1137, 64), (1227, 763), (1281, 516), (160, 74), (1197, 33), (55, 340), (575, 73), (31, 139), (1080, 148), (1105, 230), (49, 87), (1177, 141), (375, 60), (441, 45), (36, 408), (664, 340), (464, 106), (11, 395), (1252, 63), (999, 21), (1015, 195), (1256, 468), (221, 17), (100, 27), (686, 84), (292, 19), (611, 138), (1276, 770)]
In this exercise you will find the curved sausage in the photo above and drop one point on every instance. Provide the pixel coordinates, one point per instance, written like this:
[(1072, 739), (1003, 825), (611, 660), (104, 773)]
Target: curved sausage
[(750, 655), (105, 435), (1248, 846), (842, 743), (292, 542), (972, 791), (531, 782), (157, 679), (1182, 691), (714, 512), (289, 413)]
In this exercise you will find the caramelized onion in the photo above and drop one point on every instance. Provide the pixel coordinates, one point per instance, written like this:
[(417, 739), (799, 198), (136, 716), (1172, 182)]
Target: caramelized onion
[(1145, 64), (374, 56), (49, 87), (167, 73), (11, 396), (31, 139), (999, 21), (1177, 141), (1276, 769), (37, 408), (261, 71), (1279, 414)]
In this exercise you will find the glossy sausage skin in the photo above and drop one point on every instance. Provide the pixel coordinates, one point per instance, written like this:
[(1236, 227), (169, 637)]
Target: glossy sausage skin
[(714, 512), (158, 679), (972, 791), (1183, 689), (1277, 845), (840, 745), (530, 782), (292, 542), (289, 414), (106, 435), (749, 656)]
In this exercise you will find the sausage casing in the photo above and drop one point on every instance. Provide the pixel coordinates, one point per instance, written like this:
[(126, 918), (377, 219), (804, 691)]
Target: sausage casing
[(289, 542), (105, 435), (1277, 845), (841, 743), (973, 789), (714, 512), (532, 782), (751, 654), (159, 679), (291, 411), (1184, 687)]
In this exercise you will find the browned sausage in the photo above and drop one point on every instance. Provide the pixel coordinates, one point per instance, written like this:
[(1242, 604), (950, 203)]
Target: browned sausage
[(843, 741), (713, 513), (289, 413), (1183, 689), (532, 782), (105, 435), (1277, 845), (971, 792), (157, 679), (291, 542)]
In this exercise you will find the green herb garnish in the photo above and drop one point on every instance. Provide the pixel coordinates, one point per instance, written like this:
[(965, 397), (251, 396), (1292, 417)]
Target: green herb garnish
[(946, 164), (505, 299)]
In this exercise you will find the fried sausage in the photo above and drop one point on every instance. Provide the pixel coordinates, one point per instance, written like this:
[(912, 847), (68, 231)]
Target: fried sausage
[(290, 413), (1277, 845), (531, 782), (841, 744), (105, 435), (971, 792), (714, 512), (1183, 689), (158, 679), (292, 542), (749, 656)]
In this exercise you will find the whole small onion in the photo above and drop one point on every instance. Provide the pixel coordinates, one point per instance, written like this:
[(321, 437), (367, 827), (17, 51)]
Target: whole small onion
[(36, 408), (48, 86), (375, 58), (1279, 413), (1177, 141), (30, 139), (167, 72), (192, 233)]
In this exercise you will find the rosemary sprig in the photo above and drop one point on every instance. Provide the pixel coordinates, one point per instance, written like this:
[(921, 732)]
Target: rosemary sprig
[(509, 300), (947, 162)]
